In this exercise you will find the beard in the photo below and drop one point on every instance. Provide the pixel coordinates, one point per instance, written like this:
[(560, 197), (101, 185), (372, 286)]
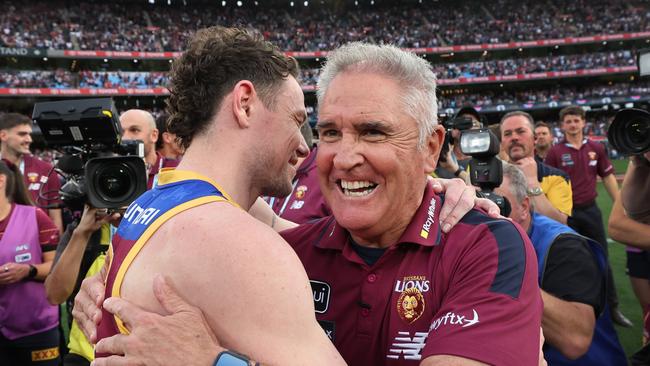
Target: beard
[(269, 180)]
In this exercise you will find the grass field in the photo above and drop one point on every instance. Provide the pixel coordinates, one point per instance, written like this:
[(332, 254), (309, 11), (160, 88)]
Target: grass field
[(629, 337)]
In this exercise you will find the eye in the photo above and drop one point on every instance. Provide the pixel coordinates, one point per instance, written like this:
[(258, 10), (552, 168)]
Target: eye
[(329, 135), (374, 134)]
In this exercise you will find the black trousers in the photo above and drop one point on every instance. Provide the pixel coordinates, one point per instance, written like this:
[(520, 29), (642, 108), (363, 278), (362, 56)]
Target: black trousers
[(587, 220)]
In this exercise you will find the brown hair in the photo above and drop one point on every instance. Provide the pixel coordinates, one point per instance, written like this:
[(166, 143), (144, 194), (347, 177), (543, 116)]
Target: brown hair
[(11, 120), (15, 189), (573, 110), (542, 124), (216, 59)]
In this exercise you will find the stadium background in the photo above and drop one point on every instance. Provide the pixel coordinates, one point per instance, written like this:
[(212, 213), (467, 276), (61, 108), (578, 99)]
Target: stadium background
[(502, 55)]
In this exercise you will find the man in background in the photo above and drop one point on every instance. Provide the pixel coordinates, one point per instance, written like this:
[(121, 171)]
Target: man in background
[(39, 176)]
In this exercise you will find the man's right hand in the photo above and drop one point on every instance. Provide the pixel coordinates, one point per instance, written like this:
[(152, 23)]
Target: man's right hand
[(87, 311), (181, 338)]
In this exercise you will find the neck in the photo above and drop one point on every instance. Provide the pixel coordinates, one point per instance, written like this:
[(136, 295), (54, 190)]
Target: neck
[(527, 222), (151, 158), (11, 155), (5, 208), (575, 140), (168, 152), (542, 150), (227, 171)]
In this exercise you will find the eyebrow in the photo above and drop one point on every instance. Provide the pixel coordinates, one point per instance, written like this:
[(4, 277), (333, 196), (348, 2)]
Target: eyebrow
[(359, 126)]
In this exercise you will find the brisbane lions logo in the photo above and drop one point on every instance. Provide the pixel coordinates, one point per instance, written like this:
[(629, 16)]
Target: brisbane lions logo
[(300, 192), (410, 305)]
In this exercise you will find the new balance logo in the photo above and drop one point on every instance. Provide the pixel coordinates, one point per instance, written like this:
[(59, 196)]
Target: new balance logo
[(407, 347)]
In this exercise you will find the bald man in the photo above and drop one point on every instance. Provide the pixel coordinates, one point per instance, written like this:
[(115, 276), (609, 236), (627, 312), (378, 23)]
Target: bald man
[(138, 124)]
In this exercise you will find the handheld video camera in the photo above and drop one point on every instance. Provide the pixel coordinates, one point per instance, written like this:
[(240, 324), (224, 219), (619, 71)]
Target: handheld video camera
[(629, 133), (88, 132), (485, 169), (459, 123)]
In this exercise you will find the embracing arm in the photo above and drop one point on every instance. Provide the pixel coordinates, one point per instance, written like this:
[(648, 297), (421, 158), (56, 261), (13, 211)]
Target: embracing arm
[(568, 325)]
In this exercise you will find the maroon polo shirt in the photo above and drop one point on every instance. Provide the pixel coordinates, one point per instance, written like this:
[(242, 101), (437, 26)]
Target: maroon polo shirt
[(161, 162), (471, 293), (306, 202), (582, 165), (39, 174)]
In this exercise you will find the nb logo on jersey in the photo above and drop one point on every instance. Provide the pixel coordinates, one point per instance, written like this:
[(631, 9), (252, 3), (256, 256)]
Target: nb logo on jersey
[(297, 205), (407, 347)]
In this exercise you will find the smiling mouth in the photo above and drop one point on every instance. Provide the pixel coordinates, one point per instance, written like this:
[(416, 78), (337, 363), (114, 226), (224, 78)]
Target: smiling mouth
[(356, 188)]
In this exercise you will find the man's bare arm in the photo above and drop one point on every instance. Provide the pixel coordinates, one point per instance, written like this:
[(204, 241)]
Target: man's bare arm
[(611, 186), (568, 325)]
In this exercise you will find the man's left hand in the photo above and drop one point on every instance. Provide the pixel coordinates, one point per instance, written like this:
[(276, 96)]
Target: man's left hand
[(13, 272), (460, 198)]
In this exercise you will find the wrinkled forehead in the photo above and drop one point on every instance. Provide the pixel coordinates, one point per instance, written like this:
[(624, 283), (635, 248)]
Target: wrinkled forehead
[(361, 93)]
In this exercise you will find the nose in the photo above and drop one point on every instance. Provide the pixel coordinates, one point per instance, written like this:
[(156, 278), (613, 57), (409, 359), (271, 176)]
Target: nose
[(29, 138), (303, 149), (348, 155)]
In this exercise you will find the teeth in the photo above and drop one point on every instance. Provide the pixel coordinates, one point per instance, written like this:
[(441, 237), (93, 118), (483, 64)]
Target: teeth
[(356, 188), (356, 184)]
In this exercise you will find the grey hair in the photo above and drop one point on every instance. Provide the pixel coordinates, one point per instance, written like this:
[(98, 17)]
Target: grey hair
[(518, 181), (413, 73), (529, 118)]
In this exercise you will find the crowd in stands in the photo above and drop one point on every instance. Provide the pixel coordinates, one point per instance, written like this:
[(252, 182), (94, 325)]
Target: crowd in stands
[(139, 79), (128, 26), (488, 97)]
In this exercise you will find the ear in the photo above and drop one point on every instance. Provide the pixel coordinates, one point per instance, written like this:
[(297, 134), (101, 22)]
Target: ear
[(432, 148), (167, 138), (3, 135), (154, 135), (525, 208), (243, 97)]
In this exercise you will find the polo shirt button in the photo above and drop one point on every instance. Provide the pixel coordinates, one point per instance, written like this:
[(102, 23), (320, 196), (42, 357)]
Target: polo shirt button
[(365, 312), (372, 278)]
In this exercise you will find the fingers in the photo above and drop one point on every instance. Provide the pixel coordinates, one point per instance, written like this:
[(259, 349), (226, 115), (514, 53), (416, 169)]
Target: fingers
[(459, 199), (168, 297), (130, 314), (111, 361), (115, 345), (464, 204), (86, 310), (488, 206)]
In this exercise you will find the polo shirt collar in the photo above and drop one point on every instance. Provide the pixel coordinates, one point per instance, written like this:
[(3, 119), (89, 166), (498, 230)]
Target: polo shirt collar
[(424, 228), (567, 143)]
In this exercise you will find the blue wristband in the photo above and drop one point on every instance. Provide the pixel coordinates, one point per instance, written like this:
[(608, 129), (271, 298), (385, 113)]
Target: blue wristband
[(228, 358)]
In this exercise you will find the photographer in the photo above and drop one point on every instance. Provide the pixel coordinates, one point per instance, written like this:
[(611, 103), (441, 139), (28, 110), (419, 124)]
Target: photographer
[(82, 250), (629, 220), (452, 162), (572, 277)]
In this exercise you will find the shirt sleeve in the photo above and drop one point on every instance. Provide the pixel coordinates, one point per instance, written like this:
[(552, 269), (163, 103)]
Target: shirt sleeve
[(48, 233), (551, 158), (491, 310), (572, 273), (558, 191), (605, 166)]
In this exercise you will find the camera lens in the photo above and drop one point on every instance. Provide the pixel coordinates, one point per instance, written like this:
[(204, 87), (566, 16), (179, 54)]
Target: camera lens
[(639, 132), (114, 181)]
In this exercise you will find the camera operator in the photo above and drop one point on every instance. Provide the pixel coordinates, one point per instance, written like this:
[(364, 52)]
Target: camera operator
[(138, 124), (452, 162), (38, 175), (549, 188), (572, 279), (82, 249), (629, 220), (80, 253)]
